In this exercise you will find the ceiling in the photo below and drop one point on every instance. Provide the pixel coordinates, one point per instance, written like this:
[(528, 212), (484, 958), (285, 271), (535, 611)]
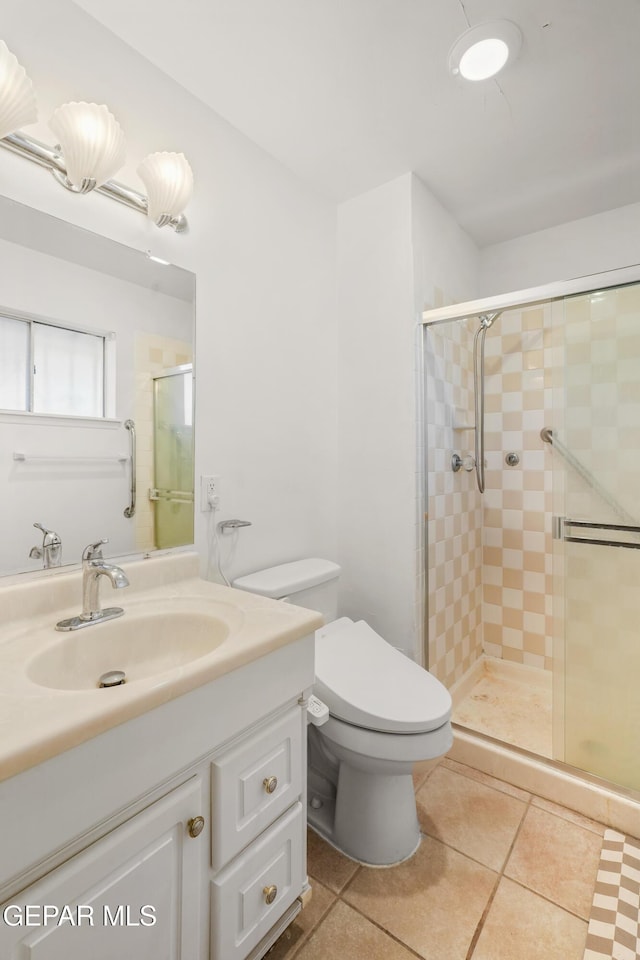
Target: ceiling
[(349, 94)]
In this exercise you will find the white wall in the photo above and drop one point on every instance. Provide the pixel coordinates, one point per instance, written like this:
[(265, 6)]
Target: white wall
[(396, 247), (445, 257), (376, 427), (263, 249), (576, 249)]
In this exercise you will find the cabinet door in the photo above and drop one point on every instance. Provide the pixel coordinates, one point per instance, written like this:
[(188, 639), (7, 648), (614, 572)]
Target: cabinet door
[(253, 783), (134, 894)]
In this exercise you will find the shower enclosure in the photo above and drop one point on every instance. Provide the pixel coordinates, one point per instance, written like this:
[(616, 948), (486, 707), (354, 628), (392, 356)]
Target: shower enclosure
[(172, 493), (533, 586)]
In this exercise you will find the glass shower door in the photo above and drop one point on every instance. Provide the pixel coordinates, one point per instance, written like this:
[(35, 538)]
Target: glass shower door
[(596, 469), (173, 458)]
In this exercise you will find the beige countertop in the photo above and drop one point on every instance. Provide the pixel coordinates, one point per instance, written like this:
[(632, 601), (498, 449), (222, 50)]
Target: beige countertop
[(38, 722)]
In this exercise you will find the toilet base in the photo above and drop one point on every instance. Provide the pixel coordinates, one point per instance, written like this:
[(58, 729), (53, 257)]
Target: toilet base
[(374, 820)]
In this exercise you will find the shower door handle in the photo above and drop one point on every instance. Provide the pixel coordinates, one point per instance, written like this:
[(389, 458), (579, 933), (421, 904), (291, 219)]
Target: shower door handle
[(562, 530)]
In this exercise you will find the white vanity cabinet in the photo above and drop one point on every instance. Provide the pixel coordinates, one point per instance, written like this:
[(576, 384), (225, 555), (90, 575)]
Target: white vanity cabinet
[(115, 823), (134, 893)]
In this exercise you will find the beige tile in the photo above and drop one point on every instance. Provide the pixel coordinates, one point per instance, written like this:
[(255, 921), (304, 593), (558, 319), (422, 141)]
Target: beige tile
[(509, 708), (557, 859), (307, 920), (327, 864), (469, 816), (432, 903), (481, 777), (523, 926), (345, 935), (570, 815)]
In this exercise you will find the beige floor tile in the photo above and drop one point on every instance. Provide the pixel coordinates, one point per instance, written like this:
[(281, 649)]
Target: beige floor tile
[(557, 859), (571, 815), (432, 902), (307, 920), (470, 816), (522, 926), (345, 935), (328, 865), (481, 777)]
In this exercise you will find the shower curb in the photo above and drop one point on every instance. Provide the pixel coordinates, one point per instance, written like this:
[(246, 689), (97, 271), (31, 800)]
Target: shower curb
[(548, 779)]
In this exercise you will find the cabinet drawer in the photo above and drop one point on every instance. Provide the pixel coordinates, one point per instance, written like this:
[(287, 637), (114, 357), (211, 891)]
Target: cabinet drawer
[(253, 783), (240, 913)]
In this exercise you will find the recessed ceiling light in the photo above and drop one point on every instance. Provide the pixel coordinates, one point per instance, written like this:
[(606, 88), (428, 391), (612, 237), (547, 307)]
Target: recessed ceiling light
[(483, 51)]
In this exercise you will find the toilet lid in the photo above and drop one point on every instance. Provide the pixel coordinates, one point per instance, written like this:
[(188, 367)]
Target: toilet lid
[(367, 682)]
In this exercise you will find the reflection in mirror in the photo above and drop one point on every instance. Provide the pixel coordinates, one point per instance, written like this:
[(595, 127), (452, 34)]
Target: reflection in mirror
[(92, 334)]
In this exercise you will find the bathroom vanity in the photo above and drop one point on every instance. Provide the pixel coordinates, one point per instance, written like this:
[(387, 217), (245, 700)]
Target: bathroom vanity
[(165, 818)]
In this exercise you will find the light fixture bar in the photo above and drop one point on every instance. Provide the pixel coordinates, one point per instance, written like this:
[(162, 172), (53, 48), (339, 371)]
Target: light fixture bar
[(49, 157)]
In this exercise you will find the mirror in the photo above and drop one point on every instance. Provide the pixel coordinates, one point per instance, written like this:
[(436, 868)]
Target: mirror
[(95, 338)]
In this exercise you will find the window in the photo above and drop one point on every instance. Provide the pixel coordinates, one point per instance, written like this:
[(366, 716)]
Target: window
[(46, 368)]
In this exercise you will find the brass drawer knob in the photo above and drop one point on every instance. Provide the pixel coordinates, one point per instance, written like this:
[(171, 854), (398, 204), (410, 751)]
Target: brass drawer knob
[(195, 826), (270, 893), (270, 784)]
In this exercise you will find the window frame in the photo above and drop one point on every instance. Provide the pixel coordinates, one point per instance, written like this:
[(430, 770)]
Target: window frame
[(108, 338)]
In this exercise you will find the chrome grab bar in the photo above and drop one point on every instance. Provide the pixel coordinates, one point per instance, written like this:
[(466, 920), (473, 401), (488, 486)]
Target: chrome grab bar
[(547, 436), (131, 509), (172, 496), (562, 523)]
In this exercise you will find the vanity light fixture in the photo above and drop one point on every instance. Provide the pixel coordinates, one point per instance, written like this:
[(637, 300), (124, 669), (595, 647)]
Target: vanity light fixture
[(92, 144), (484, 50), (17, 99), (90, 150), (169, 182)]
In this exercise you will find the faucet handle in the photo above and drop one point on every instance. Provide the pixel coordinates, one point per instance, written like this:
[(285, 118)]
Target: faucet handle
[(94, 550), (54, 539)]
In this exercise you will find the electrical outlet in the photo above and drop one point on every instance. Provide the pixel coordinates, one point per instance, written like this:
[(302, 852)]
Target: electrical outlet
[(209, 493)]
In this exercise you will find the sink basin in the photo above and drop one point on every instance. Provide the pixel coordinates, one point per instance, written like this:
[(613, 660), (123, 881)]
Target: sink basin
[(143, 643)]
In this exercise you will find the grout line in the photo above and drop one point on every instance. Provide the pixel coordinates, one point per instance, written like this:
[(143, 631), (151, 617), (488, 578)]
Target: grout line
[(483, 783), (481, 921), (571, 913), (351, 878), (384, 930), (485, 914), (305, 939), (577, 813)]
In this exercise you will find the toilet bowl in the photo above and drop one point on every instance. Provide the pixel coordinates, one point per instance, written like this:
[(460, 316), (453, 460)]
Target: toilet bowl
[(385, 714)]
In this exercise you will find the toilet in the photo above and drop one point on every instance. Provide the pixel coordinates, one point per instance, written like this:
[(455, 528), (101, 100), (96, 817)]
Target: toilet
[(385, 714)]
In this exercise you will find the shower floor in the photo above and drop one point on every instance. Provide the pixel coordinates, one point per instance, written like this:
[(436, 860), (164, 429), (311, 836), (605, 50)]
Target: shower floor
[(508, 701)]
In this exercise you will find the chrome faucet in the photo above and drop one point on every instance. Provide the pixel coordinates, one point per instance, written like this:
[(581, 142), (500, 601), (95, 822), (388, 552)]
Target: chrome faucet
[(94, 566), (51, 550)]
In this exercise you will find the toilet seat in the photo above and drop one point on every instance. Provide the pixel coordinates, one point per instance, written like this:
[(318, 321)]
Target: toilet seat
[(368, 683)]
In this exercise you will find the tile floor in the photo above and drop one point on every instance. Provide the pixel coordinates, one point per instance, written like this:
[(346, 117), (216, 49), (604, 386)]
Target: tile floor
[(500, 875)]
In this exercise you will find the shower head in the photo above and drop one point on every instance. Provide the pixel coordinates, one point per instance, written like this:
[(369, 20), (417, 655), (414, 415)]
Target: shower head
[(486, 319)]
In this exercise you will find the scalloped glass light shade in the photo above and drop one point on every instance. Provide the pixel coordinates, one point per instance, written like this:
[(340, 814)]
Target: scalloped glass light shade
[(17, 99), (168, 180), (92, 141)]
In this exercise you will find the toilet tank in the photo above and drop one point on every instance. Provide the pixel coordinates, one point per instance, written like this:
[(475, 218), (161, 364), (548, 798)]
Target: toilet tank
[(308, 583)]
